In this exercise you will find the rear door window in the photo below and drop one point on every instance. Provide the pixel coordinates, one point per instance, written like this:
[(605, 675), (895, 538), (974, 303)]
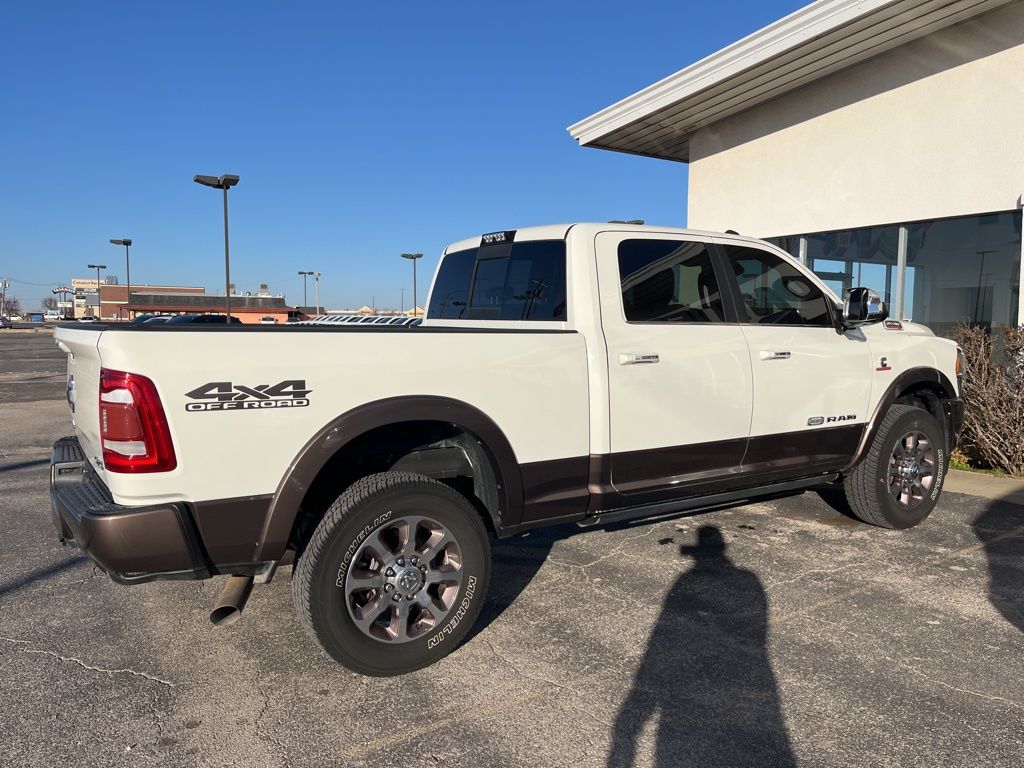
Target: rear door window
[(669, 281)]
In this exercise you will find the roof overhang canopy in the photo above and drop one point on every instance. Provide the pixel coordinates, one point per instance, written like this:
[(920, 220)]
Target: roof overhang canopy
[(809, 44)]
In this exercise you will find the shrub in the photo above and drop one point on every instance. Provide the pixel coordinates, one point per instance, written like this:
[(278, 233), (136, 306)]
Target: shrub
[(993, 393)]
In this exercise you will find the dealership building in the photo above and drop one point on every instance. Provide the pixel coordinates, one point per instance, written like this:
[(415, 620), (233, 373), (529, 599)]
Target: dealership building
[(881, 142)]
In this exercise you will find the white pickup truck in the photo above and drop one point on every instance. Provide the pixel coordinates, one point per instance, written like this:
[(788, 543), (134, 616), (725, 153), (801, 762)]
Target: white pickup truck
[(585, 373)]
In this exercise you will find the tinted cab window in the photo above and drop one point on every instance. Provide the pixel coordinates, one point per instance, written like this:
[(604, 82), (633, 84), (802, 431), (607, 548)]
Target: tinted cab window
[(506, 281), (669, 281)]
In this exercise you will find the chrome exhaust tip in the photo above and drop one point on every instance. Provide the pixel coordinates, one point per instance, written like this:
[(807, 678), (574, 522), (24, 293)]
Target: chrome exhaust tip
[(227, 609)]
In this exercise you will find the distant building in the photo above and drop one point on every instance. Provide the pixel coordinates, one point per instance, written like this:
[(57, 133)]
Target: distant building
[(109, 302), (248, 309), (114, 298)]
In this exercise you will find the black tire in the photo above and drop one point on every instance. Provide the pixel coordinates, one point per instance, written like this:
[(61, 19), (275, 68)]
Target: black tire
[(876, 490), (369, 514)]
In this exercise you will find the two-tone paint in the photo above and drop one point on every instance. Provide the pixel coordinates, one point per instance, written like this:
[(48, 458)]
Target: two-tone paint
[(575, 420)]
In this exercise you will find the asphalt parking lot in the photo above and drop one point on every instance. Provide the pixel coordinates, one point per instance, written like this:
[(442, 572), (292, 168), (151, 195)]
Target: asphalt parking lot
[(772, 634)]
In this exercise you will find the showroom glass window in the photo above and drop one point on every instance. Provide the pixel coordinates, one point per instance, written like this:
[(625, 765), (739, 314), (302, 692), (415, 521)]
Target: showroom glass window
[(774, 291), (507, 281), (963, 270), (856, 257), (790, 245), (668, 281)]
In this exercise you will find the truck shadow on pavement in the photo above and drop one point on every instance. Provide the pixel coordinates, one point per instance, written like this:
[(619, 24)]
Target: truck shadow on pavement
[(1000, 528), (514, 563), (705, 676), (24, 465), (41, 574)]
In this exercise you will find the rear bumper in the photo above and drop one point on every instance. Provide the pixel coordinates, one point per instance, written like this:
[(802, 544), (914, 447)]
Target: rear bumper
[(132, 544)]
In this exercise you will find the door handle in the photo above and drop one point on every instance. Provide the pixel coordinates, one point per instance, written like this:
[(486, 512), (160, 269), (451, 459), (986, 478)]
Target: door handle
[(767, 355), (633, 358)]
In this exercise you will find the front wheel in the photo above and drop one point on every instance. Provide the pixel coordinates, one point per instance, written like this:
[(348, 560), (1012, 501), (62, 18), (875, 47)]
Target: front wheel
[(395, 574), (898, 483)]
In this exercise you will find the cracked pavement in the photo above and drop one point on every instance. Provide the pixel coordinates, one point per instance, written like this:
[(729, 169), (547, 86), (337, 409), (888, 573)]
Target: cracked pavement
[(770, 634)]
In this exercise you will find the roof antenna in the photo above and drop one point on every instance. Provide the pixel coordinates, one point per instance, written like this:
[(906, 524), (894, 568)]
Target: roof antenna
[(731, 232)]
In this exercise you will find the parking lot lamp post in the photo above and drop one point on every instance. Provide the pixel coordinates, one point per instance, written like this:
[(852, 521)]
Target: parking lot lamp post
[(403, 300), (224, 182), (127, 243), (413, 257), (98, 267), (316, 277), (305, 300)]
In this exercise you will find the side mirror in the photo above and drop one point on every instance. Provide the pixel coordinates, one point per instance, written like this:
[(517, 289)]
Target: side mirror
[(863, 306)]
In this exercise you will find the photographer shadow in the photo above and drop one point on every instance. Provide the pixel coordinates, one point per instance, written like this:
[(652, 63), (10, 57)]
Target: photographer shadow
[(705, 676), (1000, 528)]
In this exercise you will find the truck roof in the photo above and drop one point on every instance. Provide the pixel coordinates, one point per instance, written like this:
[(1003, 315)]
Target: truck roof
[(559, 232)]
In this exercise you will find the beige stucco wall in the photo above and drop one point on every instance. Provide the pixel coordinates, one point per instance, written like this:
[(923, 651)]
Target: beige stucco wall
[(932, 129)]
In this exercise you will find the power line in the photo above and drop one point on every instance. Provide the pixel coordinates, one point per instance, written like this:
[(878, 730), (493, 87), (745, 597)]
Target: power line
[(24, 282)]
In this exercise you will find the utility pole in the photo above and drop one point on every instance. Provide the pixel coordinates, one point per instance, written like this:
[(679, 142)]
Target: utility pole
[(3, 297), (316, 276)]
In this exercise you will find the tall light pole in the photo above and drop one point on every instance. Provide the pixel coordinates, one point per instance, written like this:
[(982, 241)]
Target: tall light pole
[(126, 242), (316, 277), (305, 300), (403, 301), (225, 182), (98, 267), (413, 257)]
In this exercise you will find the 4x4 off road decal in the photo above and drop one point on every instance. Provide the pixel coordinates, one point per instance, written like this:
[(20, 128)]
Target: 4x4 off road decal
[(225, 396)]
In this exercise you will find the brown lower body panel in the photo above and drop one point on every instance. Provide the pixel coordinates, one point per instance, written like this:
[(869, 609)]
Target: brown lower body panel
[(230, 528), (568, 487)]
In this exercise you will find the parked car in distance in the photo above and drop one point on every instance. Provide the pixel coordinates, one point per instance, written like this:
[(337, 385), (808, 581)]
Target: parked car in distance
[(291, 320), (205, 319), (5, 322), (268, 321), (157, 319), (88, 319), (52, 316)]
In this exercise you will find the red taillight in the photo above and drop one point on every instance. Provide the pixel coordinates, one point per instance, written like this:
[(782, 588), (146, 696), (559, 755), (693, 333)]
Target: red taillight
[(133, 427)]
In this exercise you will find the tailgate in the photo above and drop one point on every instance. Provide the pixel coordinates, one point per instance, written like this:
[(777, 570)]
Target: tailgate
[(83, 388)]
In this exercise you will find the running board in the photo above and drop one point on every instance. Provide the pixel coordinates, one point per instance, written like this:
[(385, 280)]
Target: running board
[(676, 506)]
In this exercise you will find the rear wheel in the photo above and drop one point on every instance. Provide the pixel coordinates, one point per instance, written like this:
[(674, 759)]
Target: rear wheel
[(898, 483), (395, 574)]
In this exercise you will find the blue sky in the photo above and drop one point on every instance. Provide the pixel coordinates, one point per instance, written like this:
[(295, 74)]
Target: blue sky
[(359, 132)]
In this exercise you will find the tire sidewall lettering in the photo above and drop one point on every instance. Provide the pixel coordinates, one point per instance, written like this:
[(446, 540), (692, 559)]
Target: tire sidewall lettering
[(346, 560), (939, 474), (460, 613)]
